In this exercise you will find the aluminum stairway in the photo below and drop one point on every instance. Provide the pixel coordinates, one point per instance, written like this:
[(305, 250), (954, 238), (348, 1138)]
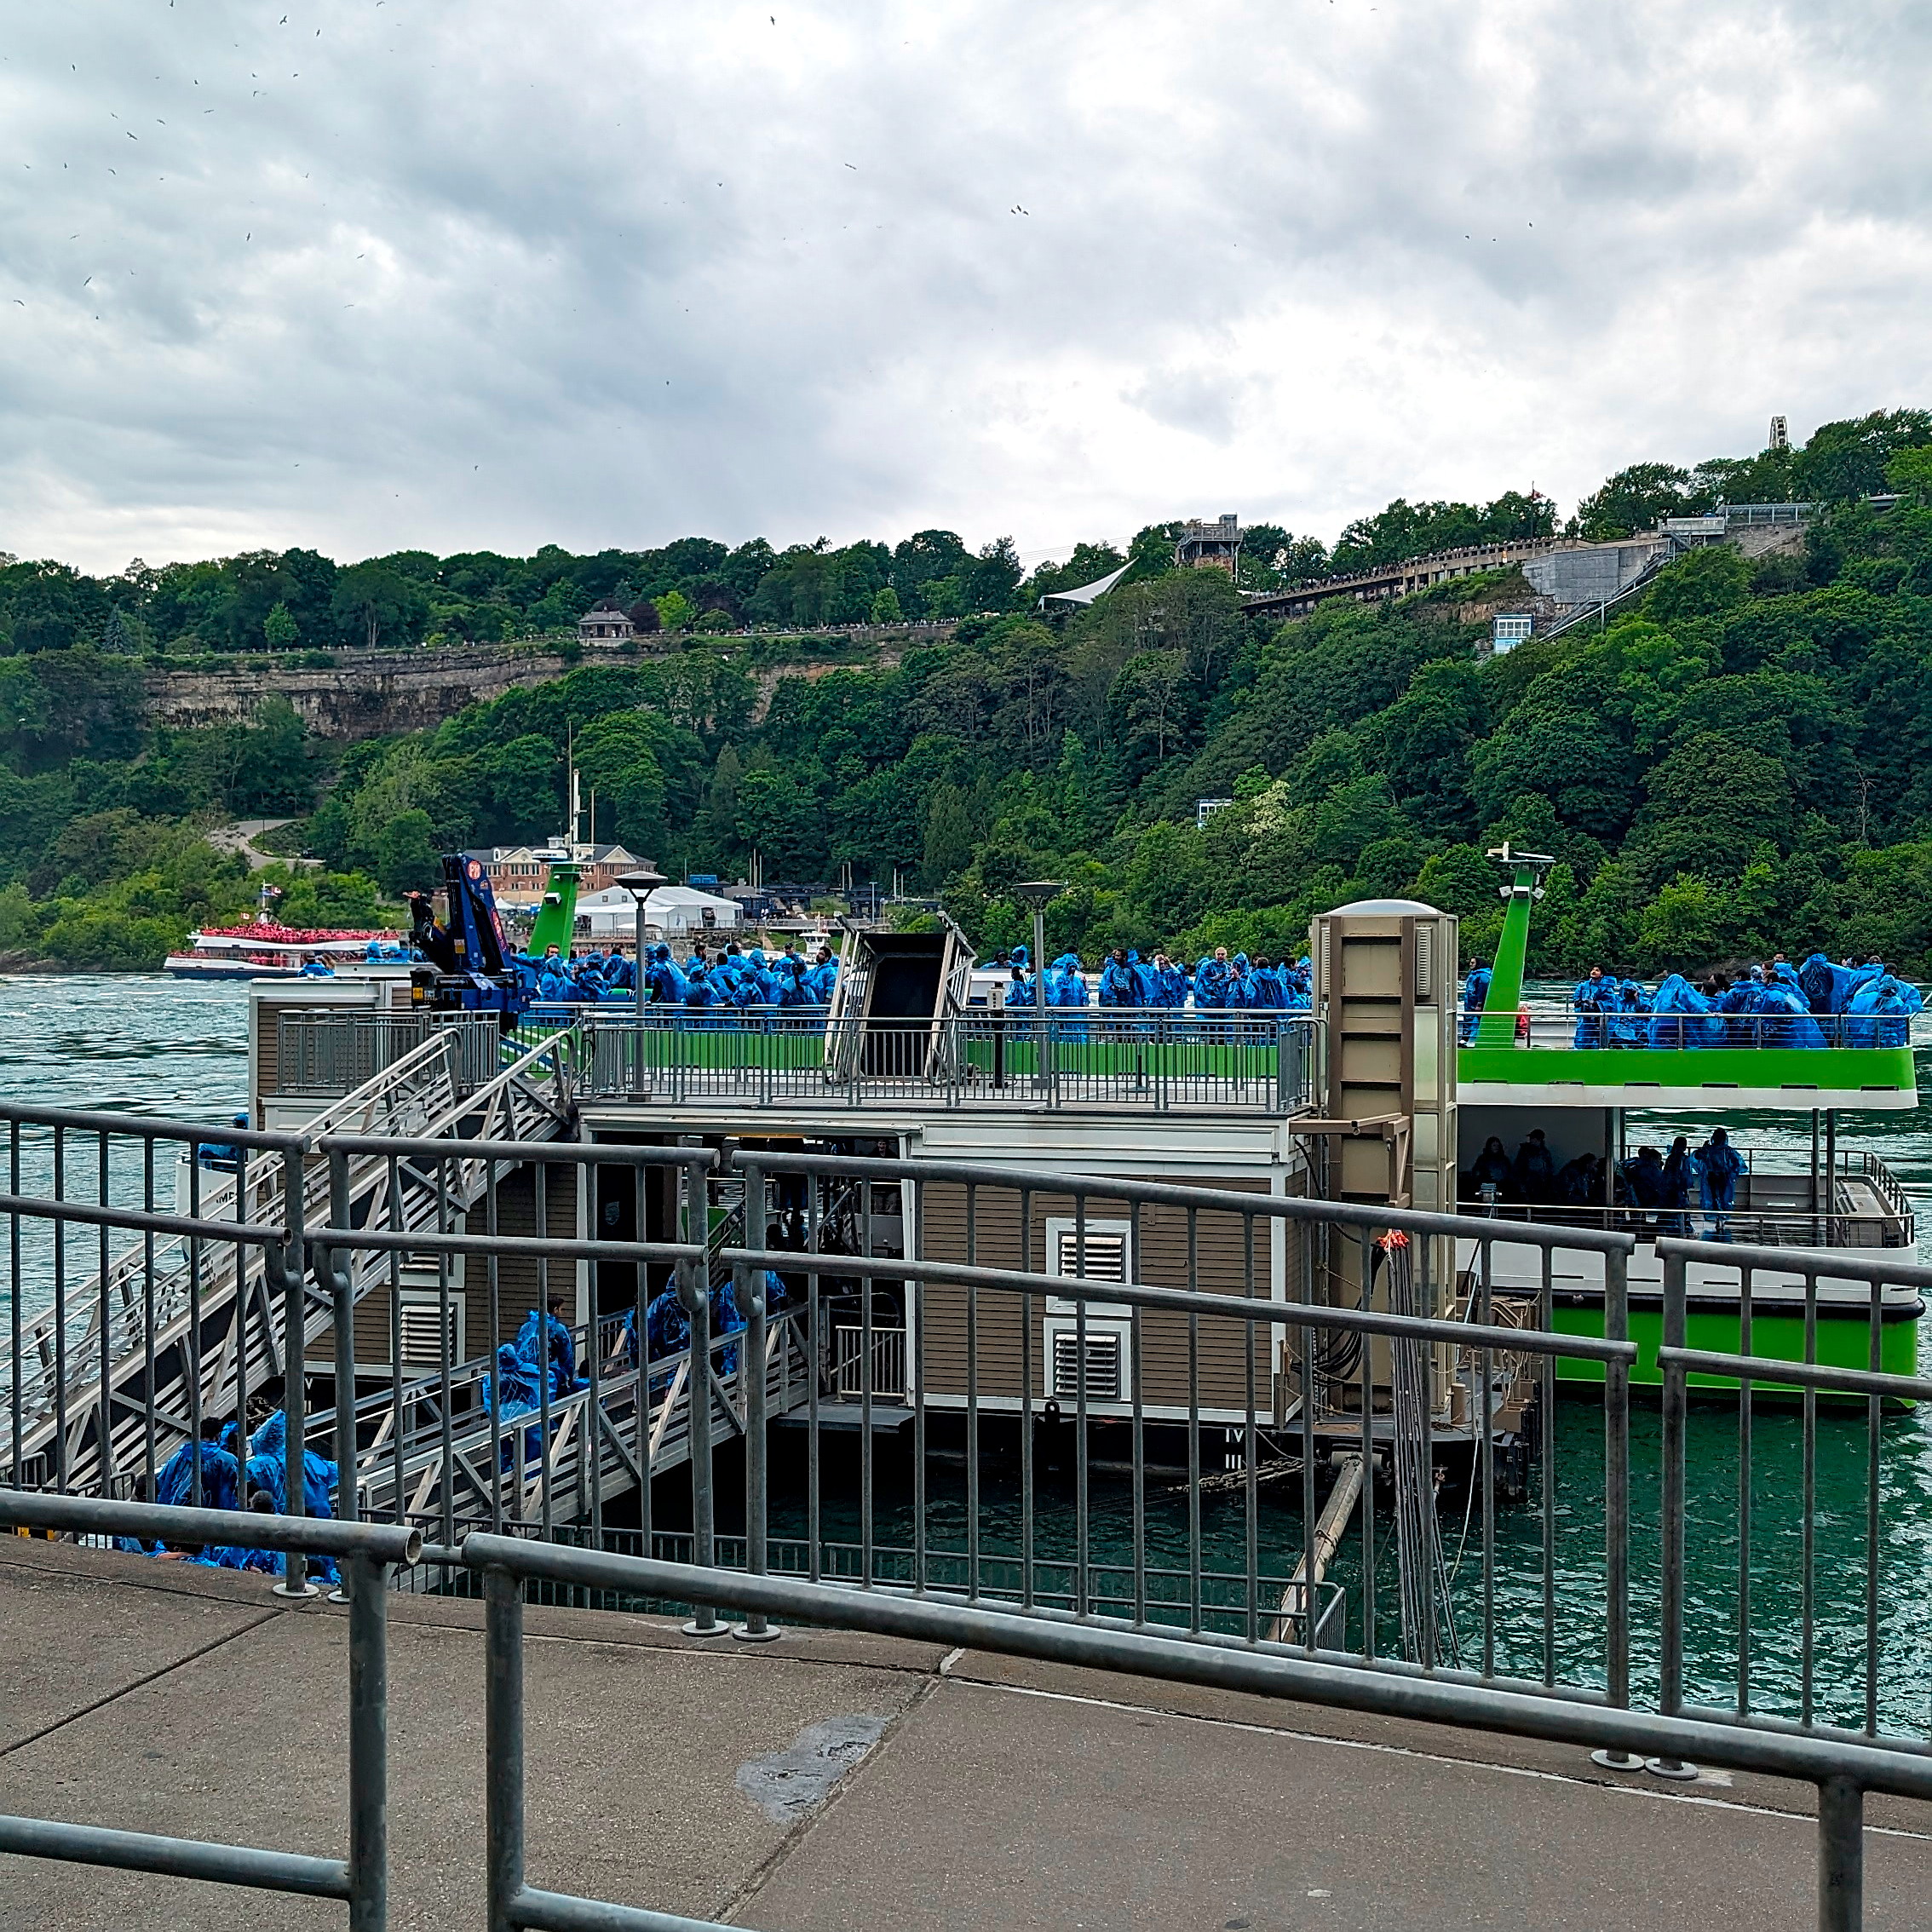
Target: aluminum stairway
[(87, 1363)]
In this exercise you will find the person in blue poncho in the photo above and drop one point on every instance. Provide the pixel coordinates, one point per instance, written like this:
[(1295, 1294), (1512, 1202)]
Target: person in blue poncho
[(1535, 1168), (1171, 983), (1241, 982), (1683, 1177), (1719, 1165), (561, 1349), (1268, 991), (516, 1386), (1475, 991), (1120, 985), (1592, 1002), (823, 976), (1213, 981), (663, 982)]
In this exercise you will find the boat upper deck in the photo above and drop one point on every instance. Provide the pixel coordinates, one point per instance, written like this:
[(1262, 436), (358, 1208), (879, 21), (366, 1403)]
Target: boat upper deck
[(1792, 1063)]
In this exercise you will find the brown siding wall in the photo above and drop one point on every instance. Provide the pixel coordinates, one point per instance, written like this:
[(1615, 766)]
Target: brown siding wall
[(518, 1275), (1221, 1268)]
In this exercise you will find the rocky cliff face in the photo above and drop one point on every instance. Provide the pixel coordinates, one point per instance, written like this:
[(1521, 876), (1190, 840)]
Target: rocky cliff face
[(372, 694)]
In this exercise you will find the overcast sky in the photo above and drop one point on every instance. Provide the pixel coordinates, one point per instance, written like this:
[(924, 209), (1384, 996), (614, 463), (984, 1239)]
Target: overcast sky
[(455, 274)]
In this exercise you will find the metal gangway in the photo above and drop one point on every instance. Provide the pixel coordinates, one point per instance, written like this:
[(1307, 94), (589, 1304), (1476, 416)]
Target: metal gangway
[(199, 1310)]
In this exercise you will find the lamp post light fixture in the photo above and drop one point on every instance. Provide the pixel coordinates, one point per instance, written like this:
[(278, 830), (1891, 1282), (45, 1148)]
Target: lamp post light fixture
[(640, 884), (1039, 893)]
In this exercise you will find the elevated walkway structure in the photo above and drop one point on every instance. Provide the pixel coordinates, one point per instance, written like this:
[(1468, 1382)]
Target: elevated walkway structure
[(197, 1315)]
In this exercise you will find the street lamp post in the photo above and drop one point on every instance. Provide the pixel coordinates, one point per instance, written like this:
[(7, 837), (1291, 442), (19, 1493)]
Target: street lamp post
[(640, 884), (1039, 893)]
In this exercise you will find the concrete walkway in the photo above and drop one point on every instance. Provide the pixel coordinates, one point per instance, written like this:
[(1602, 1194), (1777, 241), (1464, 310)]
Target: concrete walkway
[(831, 1781)]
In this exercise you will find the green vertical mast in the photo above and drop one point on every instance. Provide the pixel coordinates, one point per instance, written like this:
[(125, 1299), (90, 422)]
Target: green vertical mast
[(1497, 1026), (556, 917)]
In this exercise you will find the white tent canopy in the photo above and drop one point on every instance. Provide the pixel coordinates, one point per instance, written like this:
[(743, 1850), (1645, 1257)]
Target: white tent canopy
[(672, 911), (1088, 593)]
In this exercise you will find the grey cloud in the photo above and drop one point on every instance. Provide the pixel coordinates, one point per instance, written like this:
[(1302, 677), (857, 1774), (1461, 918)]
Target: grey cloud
[(617, 281)]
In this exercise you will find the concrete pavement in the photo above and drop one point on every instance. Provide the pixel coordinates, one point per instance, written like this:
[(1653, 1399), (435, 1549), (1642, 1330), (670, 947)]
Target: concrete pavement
[(829, 1782)]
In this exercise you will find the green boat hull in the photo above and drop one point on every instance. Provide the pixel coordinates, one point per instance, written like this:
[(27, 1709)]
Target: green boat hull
[(1844, 1341)]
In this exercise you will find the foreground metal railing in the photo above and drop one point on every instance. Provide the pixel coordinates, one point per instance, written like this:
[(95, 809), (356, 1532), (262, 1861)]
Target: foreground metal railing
[(1233, 1356), (366, 1551), (1843, 1771)]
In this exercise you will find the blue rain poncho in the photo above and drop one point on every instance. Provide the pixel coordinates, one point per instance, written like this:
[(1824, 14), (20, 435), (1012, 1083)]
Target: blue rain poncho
[(697, 984), (1784, 1018), (821, 980), (1643, 1174), (1683, 1177), (1475, 988), (562, 1350), (1213, 981), (1594, 1001), (1170, 985), (1682, 1016), (1880, 1013), (663, 982), (1535, 1169), (1120, 985), (1066, 984), (1241, 982)]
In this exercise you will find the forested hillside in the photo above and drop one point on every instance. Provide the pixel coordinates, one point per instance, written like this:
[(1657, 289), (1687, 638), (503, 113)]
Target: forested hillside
[(1741, 764)]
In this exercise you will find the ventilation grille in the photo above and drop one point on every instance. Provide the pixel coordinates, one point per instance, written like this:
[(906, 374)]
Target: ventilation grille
[(423, 1331), (1102, 1367), (1095, 1254), (1425, 962)]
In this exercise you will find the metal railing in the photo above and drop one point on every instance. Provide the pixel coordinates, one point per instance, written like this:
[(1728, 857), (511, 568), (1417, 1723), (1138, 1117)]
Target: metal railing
[(326, 1054), (1686, 1032), (1157, 1060), (1843, 1771), (1261, 1342), (366, 1552)]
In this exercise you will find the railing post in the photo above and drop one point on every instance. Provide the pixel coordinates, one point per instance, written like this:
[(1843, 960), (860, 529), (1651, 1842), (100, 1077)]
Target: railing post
[(749, 1286), (504, 1743), (368, 1585), (340, 1262), (1841, 1856), (1617, 1503), (694, 1290), (1675, 1402), (292, 1265)]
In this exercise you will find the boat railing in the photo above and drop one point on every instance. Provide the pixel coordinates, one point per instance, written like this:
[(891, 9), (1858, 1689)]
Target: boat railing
[(1860, 1204), (324, 1054), (1157, 1060), (1689, 1032)]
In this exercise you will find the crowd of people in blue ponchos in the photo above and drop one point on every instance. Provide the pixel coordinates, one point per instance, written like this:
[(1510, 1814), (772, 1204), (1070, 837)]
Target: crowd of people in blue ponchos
[(247, 1474), (1218, 982), (1818, 1004), (733, 976), (1670, 1191)]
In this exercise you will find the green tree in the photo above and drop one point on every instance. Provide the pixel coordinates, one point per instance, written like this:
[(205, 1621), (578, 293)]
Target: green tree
[(885, 605), (374, 605), (405, 854), (279, 629), (949, 836), (1634, 499), (676, 612)]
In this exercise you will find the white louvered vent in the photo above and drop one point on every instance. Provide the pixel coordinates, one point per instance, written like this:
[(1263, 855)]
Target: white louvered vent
[(1425, 962), (422, 1336), (1102, 1367), (1098, 1251)]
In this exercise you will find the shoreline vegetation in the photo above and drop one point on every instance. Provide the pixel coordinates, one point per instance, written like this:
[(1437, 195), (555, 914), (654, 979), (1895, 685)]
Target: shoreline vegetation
[(1739, 764)]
